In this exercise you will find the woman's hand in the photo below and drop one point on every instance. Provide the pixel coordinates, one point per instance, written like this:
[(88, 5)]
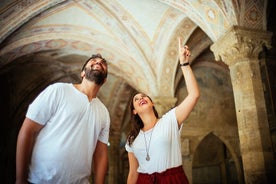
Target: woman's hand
[(183, 52)]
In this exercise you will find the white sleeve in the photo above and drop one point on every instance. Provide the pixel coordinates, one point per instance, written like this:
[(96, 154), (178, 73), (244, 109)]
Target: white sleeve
[(44, 105), (128, 148), (104, 134)]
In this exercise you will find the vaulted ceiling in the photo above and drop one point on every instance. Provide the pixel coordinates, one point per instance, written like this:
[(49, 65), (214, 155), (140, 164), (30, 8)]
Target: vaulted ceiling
[(137, 37)]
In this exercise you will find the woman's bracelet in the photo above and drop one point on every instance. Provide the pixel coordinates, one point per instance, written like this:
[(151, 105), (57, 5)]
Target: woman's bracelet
[(184, 64)]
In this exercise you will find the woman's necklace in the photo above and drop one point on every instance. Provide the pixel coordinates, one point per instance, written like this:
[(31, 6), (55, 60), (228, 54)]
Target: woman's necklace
[(148, 145)]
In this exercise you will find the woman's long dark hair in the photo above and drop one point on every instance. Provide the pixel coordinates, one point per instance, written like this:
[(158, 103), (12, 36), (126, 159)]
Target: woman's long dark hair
[(136, 122)]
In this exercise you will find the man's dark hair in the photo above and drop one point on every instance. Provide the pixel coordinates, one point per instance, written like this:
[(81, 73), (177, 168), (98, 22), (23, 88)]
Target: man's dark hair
[(93, 57)]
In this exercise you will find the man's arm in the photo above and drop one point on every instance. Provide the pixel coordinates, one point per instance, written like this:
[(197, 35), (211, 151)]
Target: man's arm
[(100, 162), (25, 143)]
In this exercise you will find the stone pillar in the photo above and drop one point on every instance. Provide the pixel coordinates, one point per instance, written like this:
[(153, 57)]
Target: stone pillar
[(114, 153), (113, 161), (163, 103), (187, 158), (239, 49)]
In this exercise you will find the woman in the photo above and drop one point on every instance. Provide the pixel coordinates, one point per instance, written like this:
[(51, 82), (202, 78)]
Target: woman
[(153, 145)]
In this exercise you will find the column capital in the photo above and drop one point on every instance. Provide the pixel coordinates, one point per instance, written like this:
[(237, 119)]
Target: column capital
[(163, 103), (240, 43)]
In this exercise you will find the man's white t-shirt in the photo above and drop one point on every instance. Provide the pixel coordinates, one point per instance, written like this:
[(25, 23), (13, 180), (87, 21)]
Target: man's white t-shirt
[(164, 148), (72, 126)]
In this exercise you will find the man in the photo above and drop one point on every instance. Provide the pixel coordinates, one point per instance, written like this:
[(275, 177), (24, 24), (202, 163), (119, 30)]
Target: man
[(66, 131)]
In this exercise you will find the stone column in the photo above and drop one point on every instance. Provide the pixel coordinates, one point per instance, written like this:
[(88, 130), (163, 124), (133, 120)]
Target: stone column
[(113, 160), (163, 103), (239, 49)]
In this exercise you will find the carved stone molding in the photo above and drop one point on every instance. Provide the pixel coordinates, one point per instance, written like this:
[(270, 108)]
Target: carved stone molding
[(239, 44)]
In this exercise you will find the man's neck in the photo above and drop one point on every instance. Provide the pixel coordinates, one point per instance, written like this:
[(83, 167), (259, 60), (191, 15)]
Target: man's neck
[(90, 89)]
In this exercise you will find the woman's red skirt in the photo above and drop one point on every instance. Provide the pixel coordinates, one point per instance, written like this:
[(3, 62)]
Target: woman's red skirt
[(174, 175)]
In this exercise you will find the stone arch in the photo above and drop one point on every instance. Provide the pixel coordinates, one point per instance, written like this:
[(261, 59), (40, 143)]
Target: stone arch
[(215, 161)]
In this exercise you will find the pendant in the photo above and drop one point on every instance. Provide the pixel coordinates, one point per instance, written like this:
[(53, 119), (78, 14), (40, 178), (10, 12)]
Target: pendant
[(147, 157)]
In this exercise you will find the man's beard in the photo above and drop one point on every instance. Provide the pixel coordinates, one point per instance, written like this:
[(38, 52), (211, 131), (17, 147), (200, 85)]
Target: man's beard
[(95, 75)]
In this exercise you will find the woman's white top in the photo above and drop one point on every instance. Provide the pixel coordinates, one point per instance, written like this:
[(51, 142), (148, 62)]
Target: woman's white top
[(165, 146)]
